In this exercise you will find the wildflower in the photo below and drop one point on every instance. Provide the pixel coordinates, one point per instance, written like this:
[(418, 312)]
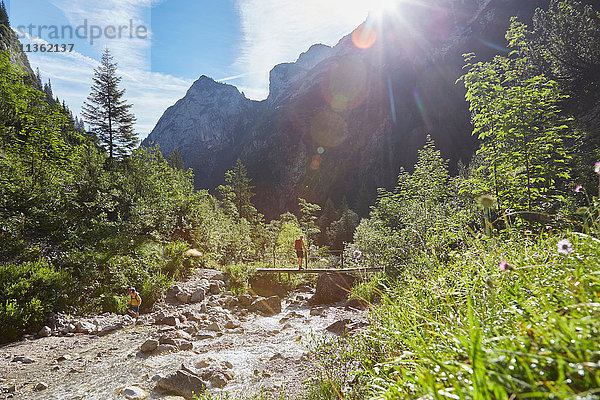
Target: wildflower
[(597, 167), (564, 247), (486, 201), (193, 253), (504, 266), (578, 188), (357, 254)]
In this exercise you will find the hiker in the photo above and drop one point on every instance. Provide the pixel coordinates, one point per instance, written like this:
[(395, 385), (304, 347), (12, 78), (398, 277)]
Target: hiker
[(133, 303), (300, 249)]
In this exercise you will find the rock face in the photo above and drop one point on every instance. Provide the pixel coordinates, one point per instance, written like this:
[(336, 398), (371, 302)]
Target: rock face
[(344, 117), (332, 287)]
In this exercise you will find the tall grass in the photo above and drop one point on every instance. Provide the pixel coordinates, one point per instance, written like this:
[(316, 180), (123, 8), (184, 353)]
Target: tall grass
[(504, 318)]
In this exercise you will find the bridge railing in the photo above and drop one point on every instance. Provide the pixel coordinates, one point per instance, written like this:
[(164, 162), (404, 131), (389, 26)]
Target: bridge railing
[(313, 258)]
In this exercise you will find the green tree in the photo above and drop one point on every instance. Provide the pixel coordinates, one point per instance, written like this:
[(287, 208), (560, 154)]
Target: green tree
[(308, 219), (564, 45), (517, 117), (4, 22), (175, 160), (238, 192), (107, 113)]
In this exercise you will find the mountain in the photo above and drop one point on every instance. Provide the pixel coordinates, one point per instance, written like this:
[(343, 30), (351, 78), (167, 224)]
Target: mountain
[(347, 117)]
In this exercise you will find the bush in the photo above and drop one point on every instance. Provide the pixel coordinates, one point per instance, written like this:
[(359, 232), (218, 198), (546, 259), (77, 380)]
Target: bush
[(28, 292)]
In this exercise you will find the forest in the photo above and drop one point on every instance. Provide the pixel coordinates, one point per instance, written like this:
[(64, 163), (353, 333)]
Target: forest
[(495, 271)]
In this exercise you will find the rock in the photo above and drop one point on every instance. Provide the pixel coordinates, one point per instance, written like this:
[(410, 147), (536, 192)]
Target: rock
[(245, 300), (214, 327), (204, 308), (85, 327), (266, 286), (204, 335), (169, 320), (197, 296), (269, 306), (45, 332), (23, 359), (40, 386), (166, 348), (183, 297), (64, 357), (182, 383), (315, 311), (149, 345), (134, 393), (156, 378), (184, 344), (339, 327), (214, 288), (183, 335), (332, 287), (231, 324), (357, 304)]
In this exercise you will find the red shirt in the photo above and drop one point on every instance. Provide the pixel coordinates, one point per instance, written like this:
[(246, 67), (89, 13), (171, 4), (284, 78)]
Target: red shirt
[(298, 244)]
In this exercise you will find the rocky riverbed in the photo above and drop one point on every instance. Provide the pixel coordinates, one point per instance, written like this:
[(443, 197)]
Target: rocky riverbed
[(201, 338)]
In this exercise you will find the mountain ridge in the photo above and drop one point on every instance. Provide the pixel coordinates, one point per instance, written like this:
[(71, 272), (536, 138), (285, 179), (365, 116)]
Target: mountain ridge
[(341, 118)]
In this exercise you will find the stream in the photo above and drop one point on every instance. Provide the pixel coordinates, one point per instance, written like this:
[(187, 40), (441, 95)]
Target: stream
[(270, 354)]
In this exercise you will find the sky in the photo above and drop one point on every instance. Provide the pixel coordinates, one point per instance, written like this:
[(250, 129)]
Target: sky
[(162, 46)]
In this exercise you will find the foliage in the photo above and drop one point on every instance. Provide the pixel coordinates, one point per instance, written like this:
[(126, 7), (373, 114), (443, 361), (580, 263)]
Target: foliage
[(426, 211), (28, 292), (517, 117), (564, 45), (308, 219), (107, 112)]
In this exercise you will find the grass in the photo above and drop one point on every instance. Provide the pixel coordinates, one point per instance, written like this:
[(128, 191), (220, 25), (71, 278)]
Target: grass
[(466, 329)]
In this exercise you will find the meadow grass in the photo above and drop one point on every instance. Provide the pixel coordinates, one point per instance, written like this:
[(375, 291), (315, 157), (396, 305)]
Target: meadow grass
[(508, 317)]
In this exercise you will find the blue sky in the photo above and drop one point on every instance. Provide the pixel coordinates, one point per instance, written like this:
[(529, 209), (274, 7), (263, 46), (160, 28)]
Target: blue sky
[(167, 44)]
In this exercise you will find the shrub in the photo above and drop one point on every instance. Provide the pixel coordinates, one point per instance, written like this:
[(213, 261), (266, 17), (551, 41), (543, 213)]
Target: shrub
[(28, 292)]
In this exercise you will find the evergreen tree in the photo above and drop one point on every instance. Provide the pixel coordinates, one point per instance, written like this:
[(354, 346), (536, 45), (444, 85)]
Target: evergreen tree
[(107, 113), (3, 18), (308, 219), (238, 192), (175, 160)]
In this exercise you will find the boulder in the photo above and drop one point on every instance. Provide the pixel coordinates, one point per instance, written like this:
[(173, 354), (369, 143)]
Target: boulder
[(40, 386), (23, 359), (166, 348), (357, 304), (266, 286), (197, 296), (149, 346), (183, 297), (183, 383), (215, 288), (45, 332), (339, 327), (245, 300), (332, 287), (214, 327), (269, 306), (134, 393), (170, 320), (85, 327)]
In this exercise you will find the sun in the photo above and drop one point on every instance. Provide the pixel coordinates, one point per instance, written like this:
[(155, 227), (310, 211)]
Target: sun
[(381, 7)]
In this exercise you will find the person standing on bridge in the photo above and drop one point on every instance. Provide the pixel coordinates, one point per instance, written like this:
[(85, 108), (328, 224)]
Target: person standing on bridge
[(300, 249)]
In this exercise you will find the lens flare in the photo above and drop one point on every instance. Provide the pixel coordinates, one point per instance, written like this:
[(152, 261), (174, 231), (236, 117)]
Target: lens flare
[(422, 110), (328, 129), (346, 85), (364, 36), (316, 162)]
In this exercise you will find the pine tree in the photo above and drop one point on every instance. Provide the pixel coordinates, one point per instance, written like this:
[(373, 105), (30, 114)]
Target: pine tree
[(175, 160), (3, 17), (107, 113), (238, 192)]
